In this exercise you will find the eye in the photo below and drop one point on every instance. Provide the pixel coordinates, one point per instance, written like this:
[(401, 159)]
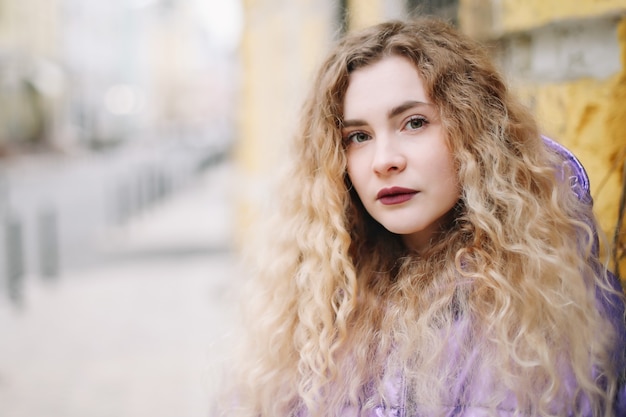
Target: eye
[(357, 137), (415, 123)]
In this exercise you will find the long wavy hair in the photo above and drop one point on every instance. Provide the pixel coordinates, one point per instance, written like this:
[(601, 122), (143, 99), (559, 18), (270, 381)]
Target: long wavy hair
[(337, 303)]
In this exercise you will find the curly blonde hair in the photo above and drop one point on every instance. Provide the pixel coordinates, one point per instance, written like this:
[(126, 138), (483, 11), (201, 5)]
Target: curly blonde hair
[(337, 302)]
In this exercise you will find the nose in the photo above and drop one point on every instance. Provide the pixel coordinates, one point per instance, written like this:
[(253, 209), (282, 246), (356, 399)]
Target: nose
[(388, 157)]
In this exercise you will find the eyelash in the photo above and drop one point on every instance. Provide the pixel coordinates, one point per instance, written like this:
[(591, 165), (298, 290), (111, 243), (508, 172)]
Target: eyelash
[(350, 138), (421, 119)]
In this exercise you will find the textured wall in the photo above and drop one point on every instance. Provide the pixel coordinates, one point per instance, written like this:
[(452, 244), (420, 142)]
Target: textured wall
[(283, 42), (363, 13), (567, 60)]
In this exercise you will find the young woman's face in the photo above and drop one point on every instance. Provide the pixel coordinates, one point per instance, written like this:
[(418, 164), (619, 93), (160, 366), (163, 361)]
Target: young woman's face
[(398, 159)]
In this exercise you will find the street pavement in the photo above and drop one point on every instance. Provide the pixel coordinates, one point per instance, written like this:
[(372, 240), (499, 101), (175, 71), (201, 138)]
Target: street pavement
[(142, 334)]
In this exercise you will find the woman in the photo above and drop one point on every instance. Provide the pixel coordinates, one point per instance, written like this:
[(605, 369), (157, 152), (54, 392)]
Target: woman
[(431, 257)]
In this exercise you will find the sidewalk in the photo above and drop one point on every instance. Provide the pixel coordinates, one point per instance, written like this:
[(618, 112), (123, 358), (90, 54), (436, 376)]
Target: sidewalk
[(140, 336)]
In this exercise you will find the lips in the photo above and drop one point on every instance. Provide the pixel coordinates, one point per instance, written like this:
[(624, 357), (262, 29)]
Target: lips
[(395, 195)]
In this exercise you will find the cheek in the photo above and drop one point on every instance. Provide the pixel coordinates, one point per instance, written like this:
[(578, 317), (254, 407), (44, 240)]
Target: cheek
[(355, 185), (449, 175), (353, 182), (355, 173), (453, 179), (350, 168)]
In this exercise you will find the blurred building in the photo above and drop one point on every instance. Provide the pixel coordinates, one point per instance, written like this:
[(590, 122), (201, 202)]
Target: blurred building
[(78, 74), (282, 41), (566, 59), (30, 77), (153, 81)]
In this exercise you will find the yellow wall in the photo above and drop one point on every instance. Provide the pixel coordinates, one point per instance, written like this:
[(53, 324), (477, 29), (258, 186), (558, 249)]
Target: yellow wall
[(364, 13), (589, 117), (283, 42), (526, 14), (491, 18), (587, 114)]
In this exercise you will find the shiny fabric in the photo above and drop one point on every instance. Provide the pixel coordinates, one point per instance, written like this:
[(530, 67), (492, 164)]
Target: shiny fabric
[(579, 180)]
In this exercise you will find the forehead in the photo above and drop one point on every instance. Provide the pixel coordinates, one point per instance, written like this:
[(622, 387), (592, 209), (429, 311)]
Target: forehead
[(386, 82)]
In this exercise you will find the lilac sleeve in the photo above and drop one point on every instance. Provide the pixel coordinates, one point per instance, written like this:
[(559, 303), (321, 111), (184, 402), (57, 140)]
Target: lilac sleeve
[(611, 305), (579, 180)]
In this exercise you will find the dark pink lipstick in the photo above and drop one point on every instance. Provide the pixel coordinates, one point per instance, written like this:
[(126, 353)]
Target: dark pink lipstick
[(395, 195)]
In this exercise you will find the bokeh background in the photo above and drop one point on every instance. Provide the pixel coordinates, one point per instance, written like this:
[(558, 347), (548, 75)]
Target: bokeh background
[(139, 138)]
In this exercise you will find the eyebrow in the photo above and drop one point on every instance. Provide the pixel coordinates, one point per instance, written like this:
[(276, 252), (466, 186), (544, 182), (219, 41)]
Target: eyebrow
[(409, 104)]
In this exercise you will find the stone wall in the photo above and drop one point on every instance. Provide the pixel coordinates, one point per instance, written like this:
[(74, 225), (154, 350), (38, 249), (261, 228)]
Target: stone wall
[(567, 61)]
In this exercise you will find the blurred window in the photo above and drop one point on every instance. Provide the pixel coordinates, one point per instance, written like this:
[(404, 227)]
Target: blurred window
[(342, 15), (446, 9)]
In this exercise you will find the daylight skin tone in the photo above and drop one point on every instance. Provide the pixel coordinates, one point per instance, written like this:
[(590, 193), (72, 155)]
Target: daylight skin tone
[(398, 159)]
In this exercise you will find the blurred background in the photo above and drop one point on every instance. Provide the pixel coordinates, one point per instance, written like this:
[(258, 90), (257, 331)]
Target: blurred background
[(138, 138)]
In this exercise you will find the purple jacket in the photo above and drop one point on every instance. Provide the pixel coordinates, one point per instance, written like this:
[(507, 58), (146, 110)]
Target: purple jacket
[(465, 397)]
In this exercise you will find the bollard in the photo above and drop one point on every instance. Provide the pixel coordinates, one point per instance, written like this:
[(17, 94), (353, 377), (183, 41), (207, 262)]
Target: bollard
[(146, 188), (48, 234), (153, 186), (159, 185), (14, 258), (124, 205), (165, 184), (138, 194)]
